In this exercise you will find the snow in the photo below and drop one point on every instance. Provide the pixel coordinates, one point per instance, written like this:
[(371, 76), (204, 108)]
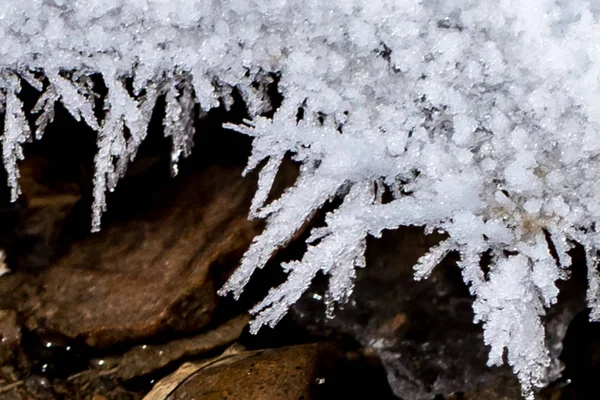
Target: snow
[(481, 118)]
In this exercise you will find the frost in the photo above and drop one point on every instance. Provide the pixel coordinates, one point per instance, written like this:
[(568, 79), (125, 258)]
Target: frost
[(479, 119)]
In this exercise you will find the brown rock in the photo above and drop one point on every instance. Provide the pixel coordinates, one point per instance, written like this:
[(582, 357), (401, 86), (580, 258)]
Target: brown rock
[(10, 335), (151, 273), (145, 359), (46, 207), (277, 374)]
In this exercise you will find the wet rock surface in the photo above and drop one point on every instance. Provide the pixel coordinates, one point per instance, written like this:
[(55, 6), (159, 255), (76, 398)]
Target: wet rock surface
[(144, 359), (285, 373), (308, 371), (133, 280), (423, 331)]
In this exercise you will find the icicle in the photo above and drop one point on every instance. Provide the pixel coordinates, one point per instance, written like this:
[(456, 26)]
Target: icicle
[(593, 291), (179, 120), (432, 258), (266, 178), (16, 133)]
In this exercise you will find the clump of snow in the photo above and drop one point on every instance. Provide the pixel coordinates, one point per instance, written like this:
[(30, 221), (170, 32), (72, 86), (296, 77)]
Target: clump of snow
[(480, 118)]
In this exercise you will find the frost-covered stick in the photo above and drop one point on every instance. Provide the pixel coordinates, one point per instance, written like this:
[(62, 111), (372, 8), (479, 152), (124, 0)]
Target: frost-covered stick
[(481, 119)]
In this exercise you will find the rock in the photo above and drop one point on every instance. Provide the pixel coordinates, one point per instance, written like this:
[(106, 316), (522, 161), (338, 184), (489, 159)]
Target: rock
[(46, 206), (423, 331), (277, 374), (10, 335), (149, 272), (145, 359)]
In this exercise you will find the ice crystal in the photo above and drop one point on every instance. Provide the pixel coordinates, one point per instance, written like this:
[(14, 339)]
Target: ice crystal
[(479, 118)]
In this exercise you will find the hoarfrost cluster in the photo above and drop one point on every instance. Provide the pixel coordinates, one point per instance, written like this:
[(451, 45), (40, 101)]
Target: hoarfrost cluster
[(478, 118)]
